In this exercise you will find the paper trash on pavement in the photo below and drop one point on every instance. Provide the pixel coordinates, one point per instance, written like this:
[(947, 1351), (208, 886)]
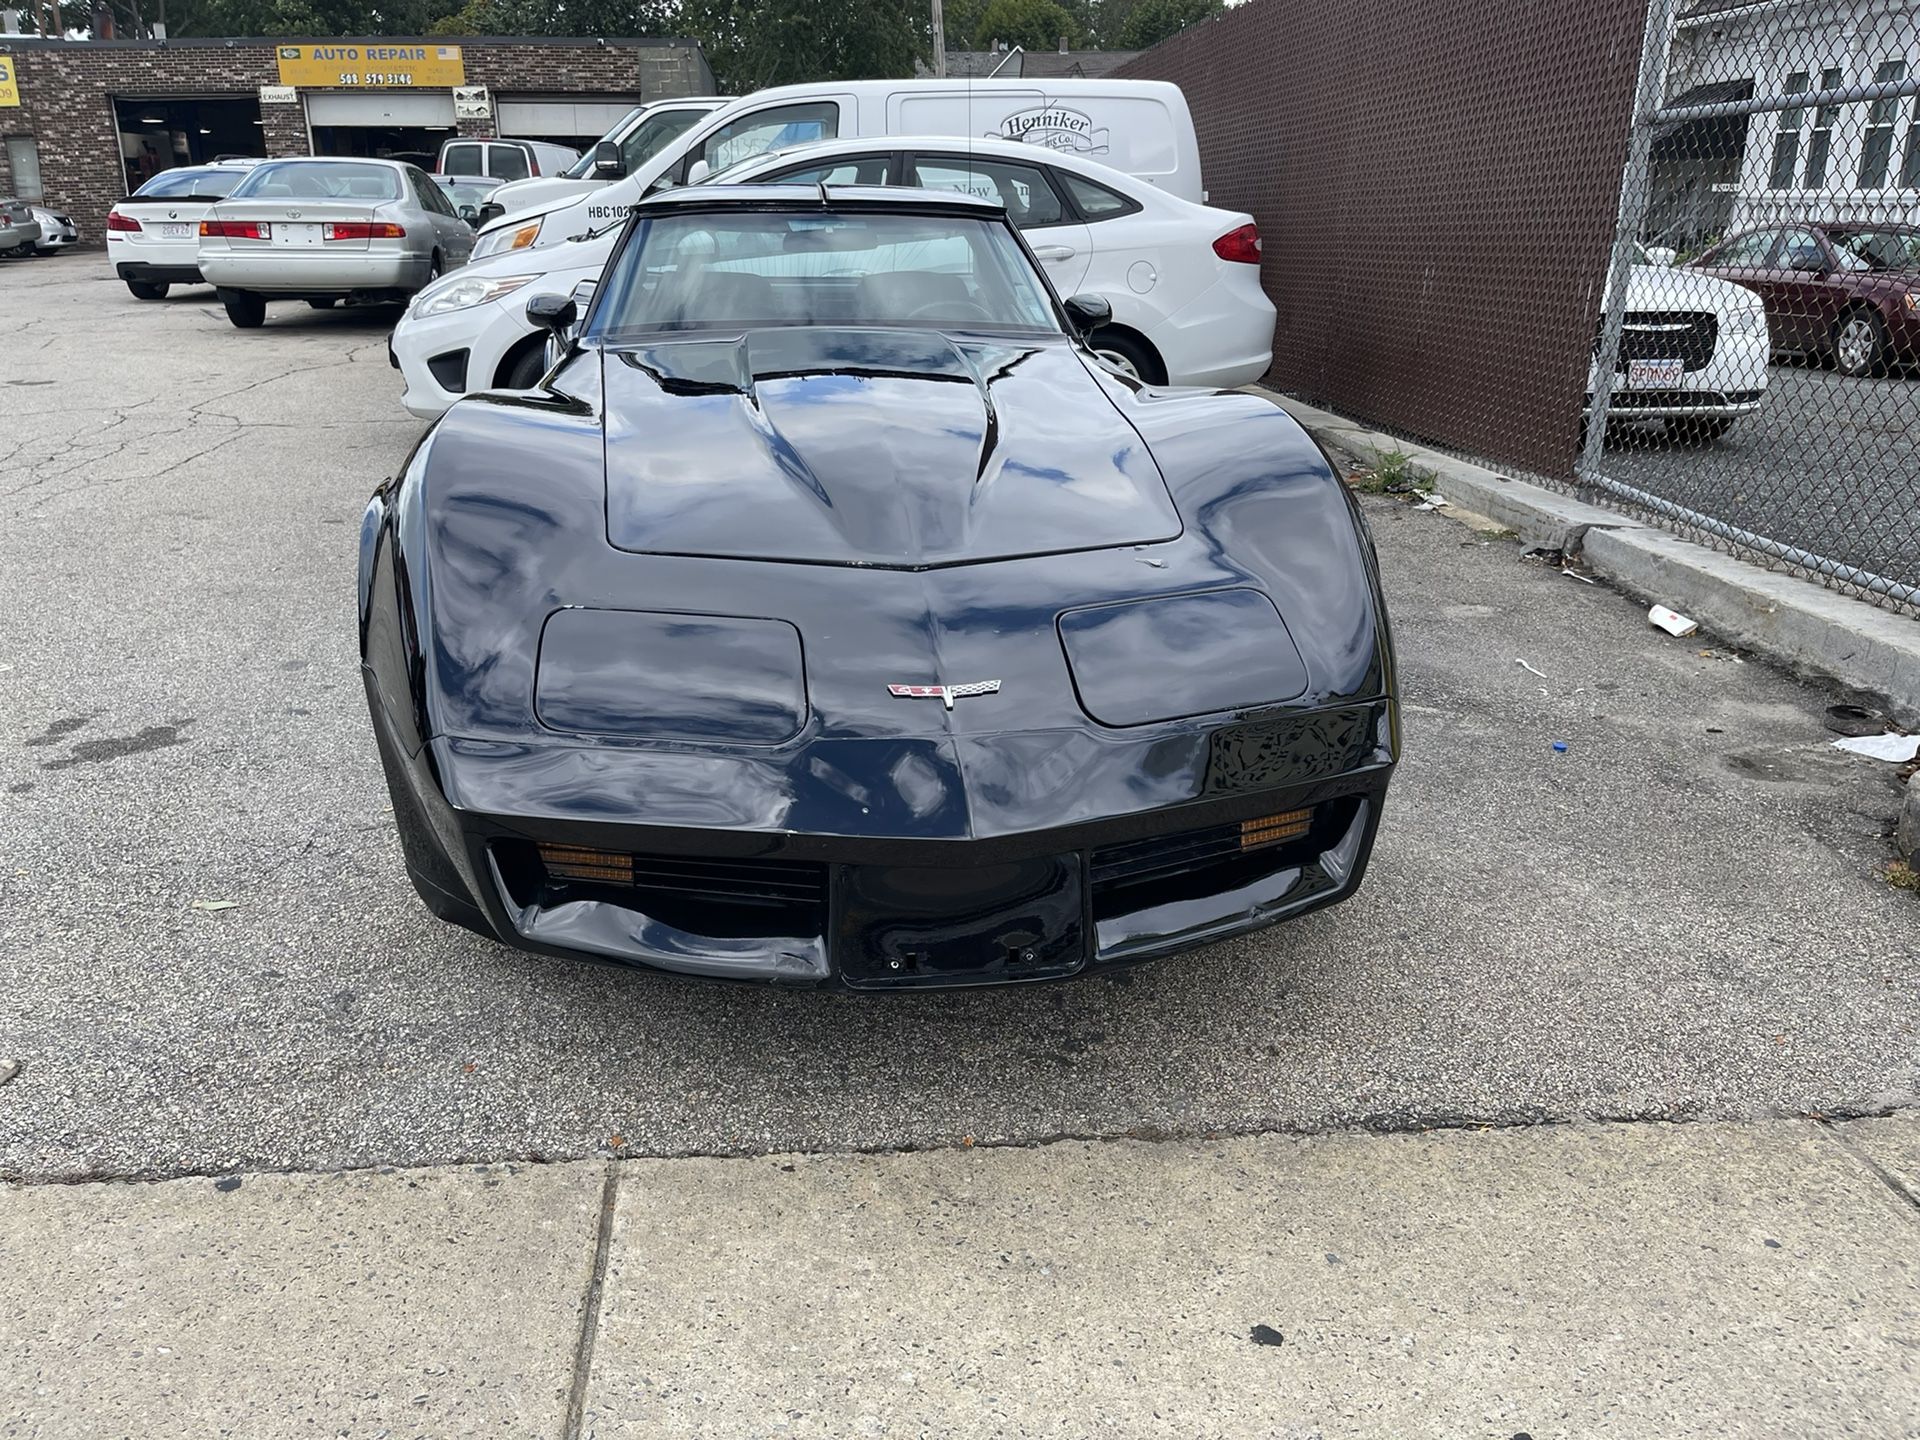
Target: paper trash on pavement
[(1897, 748), (1671, 621)]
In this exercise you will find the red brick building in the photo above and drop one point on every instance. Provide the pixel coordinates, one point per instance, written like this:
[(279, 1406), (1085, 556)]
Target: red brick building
[(96, 118)]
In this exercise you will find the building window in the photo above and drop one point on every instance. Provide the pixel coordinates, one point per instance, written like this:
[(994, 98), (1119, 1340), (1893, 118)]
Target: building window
[(1910, 167), (1821, 141), (23, 159), (1877, 151), (1786, 145)]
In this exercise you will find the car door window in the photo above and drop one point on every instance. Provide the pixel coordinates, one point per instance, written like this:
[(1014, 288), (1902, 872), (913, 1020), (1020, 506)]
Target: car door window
[(1094, 200), (460, 160), (1024, 189), (507, 162), (848, 170), (652, 135), (431, 195), (1744, 252), (774, 128), (1800, 250)]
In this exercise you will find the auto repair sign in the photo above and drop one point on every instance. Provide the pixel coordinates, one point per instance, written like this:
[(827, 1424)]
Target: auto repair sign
[(1057, 127), (9, 82), (376, 65)]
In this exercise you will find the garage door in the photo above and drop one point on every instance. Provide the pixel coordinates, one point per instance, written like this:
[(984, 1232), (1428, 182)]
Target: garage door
[(396, 107), (529, 119)]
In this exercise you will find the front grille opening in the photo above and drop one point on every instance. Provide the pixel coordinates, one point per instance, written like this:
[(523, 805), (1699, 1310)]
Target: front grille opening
[(1688, 336), (450, 371), (1142, 874), (731, 898)]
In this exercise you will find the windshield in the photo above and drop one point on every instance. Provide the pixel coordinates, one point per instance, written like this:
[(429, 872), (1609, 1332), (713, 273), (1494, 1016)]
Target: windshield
[(319, 180), (178, 184), (1879, 249), (468, 192), (741, 269)]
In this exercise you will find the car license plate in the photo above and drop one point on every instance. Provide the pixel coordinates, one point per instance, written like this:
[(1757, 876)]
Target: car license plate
[(294, 233), (1654, 374), (175, 232)]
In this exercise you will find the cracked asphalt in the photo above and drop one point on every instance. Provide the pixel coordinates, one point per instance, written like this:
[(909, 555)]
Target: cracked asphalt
[(1682, 915)]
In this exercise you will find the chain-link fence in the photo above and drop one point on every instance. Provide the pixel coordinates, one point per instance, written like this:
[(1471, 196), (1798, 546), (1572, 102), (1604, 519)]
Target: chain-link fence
[(1666, 252)]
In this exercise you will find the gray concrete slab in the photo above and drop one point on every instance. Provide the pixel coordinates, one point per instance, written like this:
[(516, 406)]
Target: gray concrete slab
[(1684, 913), (1892, 1143), (423, 1303), (1621, 1281)]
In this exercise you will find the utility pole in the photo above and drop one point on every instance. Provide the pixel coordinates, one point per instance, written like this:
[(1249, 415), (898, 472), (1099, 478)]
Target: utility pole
[(939, 41)]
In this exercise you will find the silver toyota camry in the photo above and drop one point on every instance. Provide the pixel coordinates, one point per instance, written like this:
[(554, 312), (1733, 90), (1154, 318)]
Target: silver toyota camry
[(324, 229)]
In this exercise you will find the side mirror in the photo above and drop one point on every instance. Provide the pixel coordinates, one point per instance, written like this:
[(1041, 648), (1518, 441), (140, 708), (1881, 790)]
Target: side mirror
[(553, 313), (1662, 255), (608, 163), (1087, 313), (560, 340), (698, 172), (490, 212), (470, 215)]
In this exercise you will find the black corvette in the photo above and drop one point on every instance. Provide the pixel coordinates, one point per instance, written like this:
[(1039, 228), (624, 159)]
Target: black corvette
[(831, 616)]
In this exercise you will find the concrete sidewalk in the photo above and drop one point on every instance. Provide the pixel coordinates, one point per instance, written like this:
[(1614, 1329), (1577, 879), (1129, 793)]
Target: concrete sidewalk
[(1633, 1280)]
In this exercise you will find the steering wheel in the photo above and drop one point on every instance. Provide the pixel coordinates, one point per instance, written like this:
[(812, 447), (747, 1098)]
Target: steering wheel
[(952, 310)]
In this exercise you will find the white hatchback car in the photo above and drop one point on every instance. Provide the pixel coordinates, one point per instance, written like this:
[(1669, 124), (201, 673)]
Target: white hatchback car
[(1183, 280)]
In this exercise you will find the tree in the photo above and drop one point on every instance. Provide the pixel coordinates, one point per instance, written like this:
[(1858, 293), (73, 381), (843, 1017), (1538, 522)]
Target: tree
[(1030, 24), (1152, 21), (755, 43)]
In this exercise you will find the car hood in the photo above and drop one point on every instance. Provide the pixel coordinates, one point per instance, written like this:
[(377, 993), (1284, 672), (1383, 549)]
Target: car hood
[(878, 447), (1661, 287)]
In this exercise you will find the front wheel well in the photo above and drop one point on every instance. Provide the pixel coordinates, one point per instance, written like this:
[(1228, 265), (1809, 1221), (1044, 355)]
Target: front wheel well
[(517, 352)]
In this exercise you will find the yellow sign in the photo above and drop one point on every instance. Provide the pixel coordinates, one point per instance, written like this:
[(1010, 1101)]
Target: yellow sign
[(9, 85), (376, 64)]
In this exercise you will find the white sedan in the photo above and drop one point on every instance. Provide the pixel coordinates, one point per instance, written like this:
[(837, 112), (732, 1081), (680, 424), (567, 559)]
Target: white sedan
[(153, 236), (1183, 280)]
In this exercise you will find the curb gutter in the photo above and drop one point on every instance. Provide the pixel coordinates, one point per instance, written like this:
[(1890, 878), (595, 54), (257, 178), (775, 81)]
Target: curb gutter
[(1791, 621)]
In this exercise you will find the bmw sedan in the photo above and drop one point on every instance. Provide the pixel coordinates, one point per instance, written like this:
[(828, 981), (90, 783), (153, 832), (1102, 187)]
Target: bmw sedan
[(831, 615), (322, 229)]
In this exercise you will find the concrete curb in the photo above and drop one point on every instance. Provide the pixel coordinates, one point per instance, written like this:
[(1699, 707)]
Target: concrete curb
[(1793, 622)]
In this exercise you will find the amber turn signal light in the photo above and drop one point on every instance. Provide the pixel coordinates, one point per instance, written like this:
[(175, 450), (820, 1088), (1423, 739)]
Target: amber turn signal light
[(1272, 829), (577, 862)]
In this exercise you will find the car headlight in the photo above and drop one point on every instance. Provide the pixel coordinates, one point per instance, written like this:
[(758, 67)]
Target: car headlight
[(507, 237), (1748, 322), (1912, 301), (473, 290)]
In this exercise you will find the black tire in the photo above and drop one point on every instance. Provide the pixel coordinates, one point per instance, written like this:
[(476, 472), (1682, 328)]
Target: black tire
[(1859, 347), (1698, 429), (149, 289), (525, 372), (1133, 353), (326, 302), (246, 310)]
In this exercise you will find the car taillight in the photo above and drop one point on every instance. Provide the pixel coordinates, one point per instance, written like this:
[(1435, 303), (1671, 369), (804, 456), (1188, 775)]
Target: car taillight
[(238, 229), (1241, 246), (121, 223), (362, 230)]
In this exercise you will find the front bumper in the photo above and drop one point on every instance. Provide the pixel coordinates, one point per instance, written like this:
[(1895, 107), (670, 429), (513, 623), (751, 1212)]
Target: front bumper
[(299, 274), (1731, 383), (873, 912), (423, 351)]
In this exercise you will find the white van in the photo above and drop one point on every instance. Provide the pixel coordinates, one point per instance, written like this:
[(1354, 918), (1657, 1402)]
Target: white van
[(502, 158), (1139, 127), (639, 135)]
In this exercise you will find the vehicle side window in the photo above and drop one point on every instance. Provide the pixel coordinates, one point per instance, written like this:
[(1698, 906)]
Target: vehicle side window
[(1094, 200), (1800, 250), (431, 195), (849, 170), (653, 135), (1023, 189), (460, 160), (1745, 252), (774, 128), (507, 162)]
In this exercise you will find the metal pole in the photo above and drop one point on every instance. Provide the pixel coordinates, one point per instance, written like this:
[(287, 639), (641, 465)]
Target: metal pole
[(1634, 185), (939, 40)]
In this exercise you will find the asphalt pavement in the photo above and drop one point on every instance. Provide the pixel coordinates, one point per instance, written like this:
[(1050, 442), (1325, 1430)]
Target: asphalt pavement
[(1684, 914), (1828, 463)]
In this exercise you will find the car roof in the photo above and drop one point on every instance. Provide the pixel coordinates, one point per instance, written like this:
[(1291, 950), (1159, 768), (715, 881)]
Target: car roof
[(333, 160), (796, 197)]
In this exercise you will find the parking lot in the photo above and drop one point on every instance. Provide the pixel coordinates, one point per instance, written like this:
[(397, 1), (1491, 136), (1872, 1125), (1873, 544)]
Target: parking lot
[(1684, 914), (1828, 463)]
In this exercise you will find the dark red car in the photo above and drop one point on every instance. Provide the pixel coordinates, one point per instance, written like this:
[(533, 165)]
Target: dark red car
[(1845, 292)]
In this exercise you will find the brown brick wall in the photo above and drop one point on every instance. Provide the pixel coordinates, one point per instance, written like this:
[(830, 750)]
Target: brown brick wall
[(67, 91), (1436, 183)]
